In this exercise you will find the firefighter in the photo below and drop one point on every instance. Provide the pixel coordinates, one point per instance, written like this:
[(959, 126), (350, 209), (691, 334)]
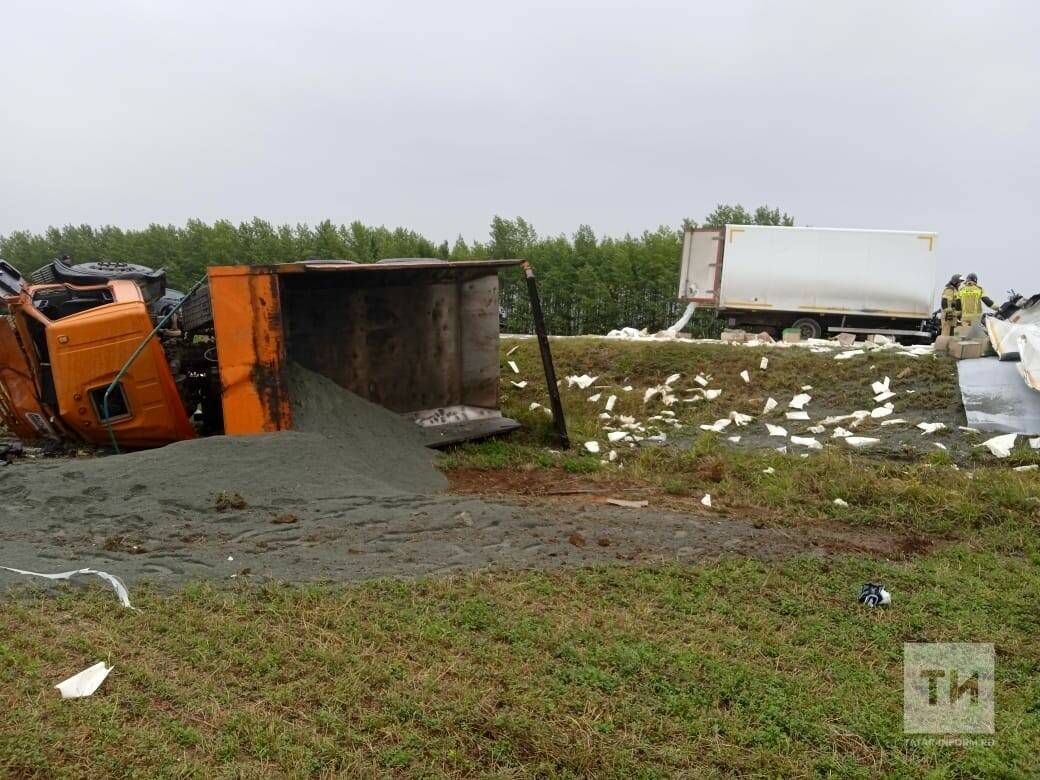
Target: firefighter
[(948, 305), (970, 298)]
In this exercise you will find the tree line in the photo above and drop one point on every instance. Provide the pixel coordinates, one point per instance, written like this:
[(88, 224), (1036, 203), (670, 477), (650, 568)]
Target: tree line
[(587, 284)]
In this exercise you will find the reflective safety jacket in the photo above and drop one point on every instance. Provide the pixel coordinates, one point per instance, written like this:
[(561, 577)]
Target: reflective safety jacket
[(971, 296), (949, 294)]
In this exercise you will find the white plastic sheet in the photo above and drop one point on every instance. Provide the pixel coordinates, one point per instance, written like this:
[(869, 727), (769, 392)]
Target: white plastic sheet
[(111, 579)]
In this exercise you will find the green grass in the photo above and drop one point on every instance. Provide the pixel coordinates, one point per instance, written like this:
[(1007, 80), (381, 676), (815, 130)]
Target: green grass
[(735, 668)]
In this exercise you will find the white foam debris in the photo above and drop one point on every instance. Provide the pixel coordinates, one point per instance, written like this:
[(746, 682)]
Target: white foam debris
[(770, 405), (1001, 446), (861, 441), (799, 401), (614, 436), (609, 405), (840, 433), (706, 500), (521, 385), (1035, 443), (836, 419), (893, 421), (881, 411), (84, 683), (797, 415), (928, 427), (881, 386), (512, 350), (512, 365), (712, 394), (849, 354), (1030, 467), (592, 446), (593, 398), (806, 441), (734, 439), (776, 430), (699, 379), (745, 376), (884, 396), (782, 449), (940, 445), (534, 405), (672, 379), (817, 429), (740, 419), (582, 381), (806, 388), (717, 426), (763, 363), (605, 416), (649, 393), (769, 470), (627, 388), (966, 429), (612, 456), (840, 502)]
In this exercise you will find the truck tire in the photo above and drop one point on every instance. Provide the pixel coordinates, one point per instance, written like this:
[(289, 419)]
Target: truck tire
[(810, 328)]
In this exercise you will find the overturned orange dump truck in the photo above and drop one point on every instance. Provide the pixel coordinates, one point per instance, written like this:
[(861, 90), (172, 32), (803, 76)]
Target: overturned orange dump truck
[(103, 353)]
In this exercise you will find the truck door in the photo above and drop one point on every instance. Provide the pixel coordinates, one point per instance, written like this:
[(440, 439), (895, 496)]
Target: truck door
[(701, 270)]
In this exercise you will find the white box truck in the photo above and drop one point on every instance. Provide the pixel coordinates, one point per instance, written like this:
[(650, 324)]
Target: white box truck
[(821, 281)]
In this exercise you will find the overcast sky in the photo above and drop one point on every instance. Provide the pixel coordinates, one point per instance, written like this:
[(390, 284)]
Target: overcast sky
[(438, 115)]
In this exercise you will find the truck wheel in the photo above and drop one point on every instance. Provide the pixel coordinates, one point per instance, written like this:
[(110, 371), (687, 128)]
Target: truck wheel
[(810, 328)]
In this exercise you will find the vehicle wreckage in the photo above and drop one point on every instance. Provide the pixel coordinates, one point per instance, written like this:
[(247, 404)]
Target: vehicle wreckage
[(104, 353)]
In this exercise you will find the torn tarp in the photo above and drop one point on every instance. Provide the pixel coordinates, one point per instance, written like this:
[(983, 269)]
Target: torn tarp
[(995, 397)]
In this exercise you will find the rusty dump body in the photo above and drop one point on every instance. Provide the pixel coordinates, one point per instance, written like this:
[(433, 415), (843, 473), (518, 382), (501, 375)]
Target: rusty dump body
[(419, 337)]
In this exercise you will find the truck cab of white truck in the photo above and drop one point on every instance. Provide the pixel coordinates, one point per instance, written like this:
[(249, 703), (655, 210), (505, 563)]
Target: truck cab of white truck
[(820, 281)]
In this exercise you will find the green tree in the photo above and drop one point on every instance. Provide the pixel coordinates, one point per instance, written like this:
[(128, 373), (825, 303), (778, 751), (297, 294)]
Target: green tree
[(737, 215)]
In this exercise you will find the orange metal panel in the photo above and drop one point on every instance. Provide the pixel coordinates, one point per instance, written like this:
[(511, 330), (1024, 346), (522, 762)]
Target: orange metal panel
[(19, 406), (247, 322)]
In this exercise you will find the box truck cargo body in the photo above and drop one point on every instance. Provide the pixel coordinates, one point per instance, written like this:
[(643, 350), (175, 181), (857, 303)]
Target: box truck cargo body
[(821, 281)]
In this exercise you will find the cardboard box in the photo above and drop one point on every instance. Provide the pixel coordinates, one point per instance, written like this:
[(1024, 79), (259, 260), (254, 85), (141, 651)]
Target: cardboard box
[(734, 336), (962, 330), (792, 335), (966, 349), (847, 339), (942, 343)]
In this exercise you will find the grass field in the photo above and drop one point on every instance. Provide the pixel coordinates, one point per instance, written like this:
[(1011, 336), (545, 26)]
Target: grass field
[(734, 667)]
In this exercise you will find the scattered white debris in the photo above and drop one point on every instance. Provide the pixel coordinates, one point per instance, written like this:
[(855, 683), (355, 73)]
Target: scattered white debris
[(799, 401), (806, 388), (627, 503), (807, 441), (627, 388), (928, 427), (612, 456), (840, 502), (880, 386), (712, 394), (613, 436), (764, 363), (782, 449), (717, 426), (881, 411), (1001, 446), (840, 433), (849, 354), (231, 558), (797, 415), (1030, 467), (966, 429), (699, 379), (1035, 443), (521, 385), (534, 405), (658, 437), (84, 683), (734, 439), (672, 378), (745, 376), (817, 429), (117, 584), (582, 381), (776, 430), (706, 500), (593, 398), (512, 365), (940, 445), (770, 405), (740, 419), (893, 421), (511, 351), (769, 470), (592, 446), (884, 396), (861, 441), (609, 405)]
